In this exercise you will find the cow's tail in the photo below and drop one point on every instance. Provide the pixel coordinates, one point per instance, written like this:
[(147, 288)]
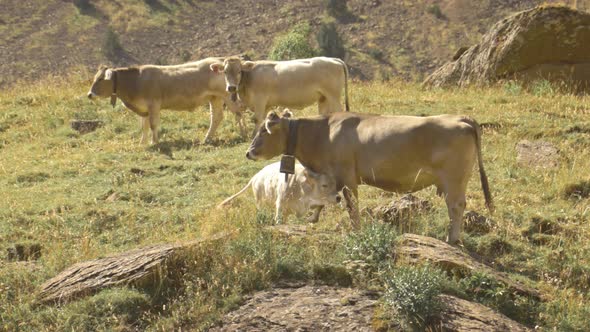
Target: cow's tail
[(345, 68), (227, 200), (482, 173)]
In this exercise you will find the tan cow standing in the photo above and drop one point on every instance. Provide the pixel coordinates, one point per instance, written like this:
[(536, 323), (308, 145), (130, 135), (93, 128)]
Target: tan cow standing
[(394, 153), (261, 85), (147, 89)]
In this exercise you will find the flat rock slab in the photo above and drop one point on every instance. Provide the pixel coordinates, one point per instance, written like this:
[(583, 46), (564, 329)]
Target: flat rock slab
[(306, 308), (139, 266), (416, 249), (537, 154), (461, 315)]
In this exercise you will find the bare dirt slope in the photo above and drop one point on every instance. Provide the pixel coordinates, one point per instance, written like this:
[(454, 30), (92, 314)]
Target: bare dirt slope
[(383, 38)]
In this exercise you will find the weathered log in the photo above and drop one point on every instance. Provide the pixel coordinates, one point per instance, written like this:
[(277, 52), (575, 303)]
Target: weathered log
[(416, 249), (142, 266)]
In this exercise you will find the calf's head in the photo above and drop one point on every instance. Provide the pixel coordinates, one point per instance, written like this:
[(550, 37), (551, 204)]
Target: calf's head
[(319, 189), (102, 86), (271, 137), (232, 68)]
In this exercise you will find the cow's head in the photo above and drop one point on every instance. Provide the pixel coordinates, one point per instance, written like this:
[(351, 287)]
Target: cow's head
[(102, 86), (319, 188), (271, 137), (232, 68)]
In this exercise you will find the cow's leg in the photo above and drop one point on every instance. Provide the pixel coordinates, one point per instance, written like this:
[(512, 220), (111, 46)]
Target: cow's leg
[(279, 210), (238, 110), (216, 115), (328, 105), (259, 110), (154, 118), (145, 128), (456, 207), (316, 214), (453, 188), (350, 194)]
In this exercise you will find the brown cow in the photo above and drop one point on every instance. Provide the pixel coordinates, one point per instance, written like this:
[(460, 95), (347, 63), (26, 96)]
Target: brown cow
[(147, 89), (394, 153), (261, 85)]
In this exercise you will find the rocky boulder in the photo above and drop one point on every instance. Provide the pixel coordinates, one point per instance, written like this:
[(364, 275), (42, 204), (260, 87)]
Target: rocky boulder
[(546, 42)]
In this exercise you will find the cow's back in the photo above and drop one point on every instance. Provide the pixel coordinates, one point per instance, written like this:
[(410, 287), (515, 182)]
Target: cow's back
[(182, 87), (295, 83)]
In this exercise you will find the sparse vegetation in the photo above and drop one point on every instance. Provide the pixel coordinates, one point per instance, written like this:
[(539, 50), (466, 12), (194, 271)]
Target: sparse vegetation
[(293, 45), (414, 293), (337, 8), (435, 10), (111, 45), (330, 42)]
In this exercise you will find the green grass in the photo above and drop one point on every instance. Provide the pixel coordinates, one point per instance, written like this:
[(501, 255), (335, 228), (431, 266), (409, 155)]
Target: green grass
[(54, 185)]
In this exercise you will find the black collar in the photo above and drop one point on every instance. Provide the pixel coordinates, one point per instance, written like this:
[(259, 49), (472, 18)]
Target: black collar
[(114, 94), (292, 137)]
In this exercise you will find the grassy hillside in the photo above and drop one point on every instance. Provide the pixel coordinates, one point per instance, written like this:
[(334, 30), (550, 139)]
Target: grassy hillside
[(86, 196), (382, 38)]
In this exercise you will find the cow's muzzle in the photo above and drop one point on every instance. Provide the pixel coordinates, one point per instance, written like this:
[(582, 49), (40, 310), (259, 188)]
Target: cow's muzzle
[(232, 88), (338, 198), (90, 95)]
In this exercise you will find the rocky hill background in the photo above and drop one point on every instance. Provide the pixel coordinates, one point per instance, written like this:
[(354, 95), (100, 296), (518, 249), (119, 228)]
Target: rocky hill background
[(383, 39)]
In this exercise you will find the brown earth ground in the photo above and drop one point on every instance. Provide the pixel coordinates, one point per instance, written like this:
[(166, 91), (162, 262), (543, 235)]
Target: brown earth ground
[(383, 38)]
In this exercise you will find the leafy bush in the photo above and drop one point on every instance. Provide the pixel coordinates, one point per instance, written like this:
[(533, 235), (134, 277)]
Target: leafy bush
[(413, 292), (330, 42), (111, 45), (376, 54), (84, 6), (293, 45), (542, 88), (434, 9), (336, 8), (372, 244)]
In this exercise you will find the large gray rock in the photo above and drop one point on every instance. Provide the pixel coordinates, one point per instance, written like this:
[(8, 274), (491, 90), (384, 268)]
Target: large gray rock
[(545, 42)]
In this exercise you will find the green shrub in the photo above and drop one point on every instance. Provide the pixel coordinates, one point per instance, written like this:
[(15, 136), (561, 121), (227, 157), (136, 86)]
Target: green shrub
[(336, 8), (84, 6), (568, 312), (542, 88), (376, 54), (413, 291), (111, 45), (435, 10), (372, 244), (293, 45), (330, 42)]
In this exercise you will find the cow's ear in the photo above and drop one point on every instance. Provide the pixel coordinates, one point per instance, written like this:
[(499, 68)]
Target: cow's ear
[(247, 65), (272, 119), (216, 68), (108, 75), (286, 113)]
